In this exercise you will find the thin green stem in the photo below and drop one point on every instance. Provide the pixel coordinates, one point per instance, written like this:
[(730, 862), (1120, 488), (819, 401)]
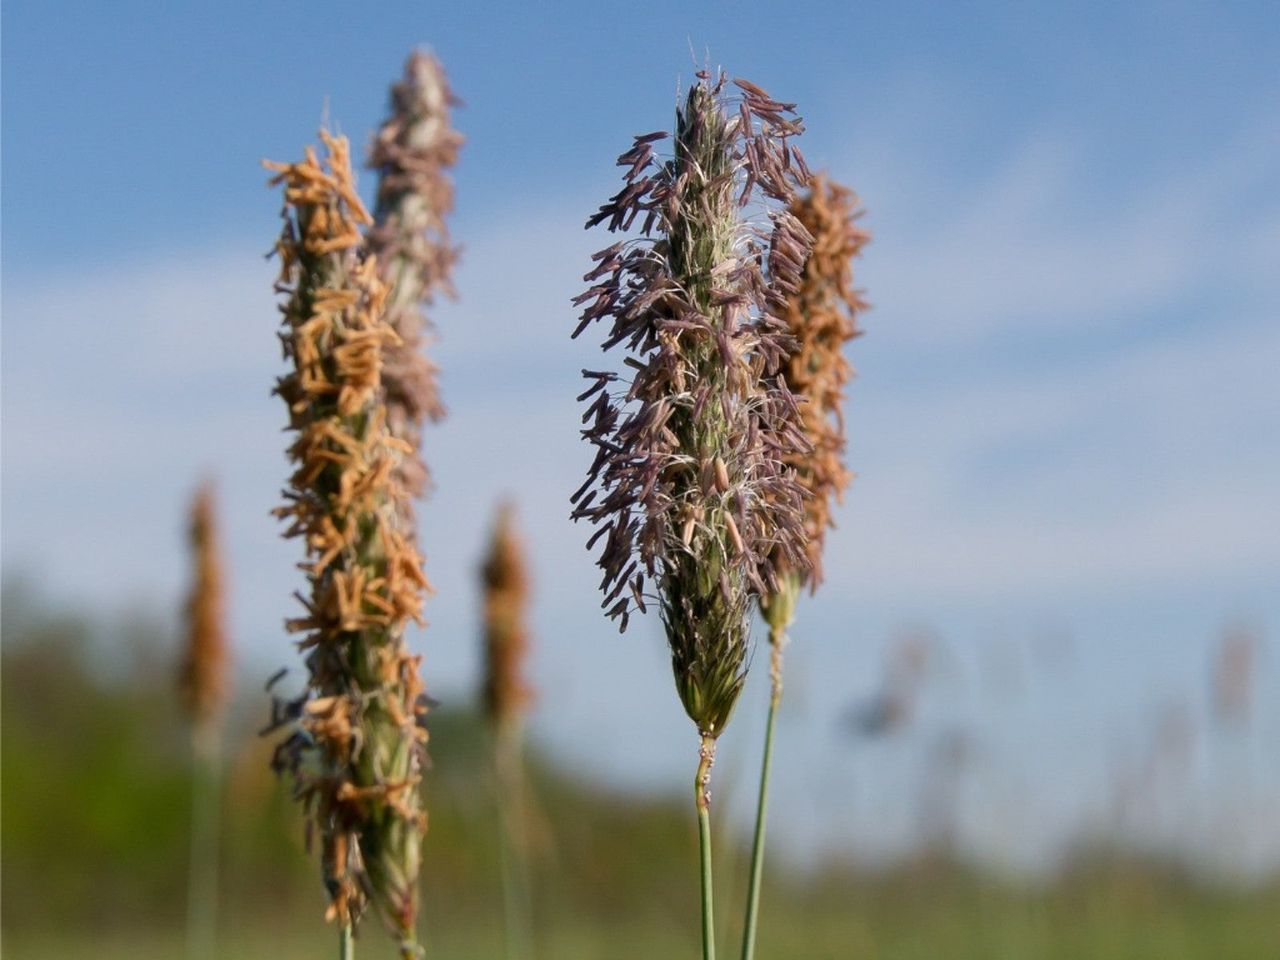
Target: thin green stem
[(702, 798), (346, 943), (512, 846), (762, 803), (202, 881)]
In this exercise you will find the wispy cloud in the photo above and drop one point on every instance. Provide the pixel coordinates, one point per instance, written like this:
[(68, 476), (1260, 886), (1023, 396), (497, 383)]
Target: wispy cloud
[(1045, 247), (1152, 464)]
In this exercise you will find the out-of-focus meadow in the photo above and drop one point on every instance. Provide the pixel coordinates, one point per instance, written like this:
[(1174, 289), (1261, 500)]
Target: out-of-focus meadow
[(96, 794), (1031, 714)]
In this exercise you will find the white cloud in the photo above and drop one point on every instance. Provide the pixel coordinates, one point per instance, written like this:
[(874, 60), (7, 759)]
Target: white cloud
[(1153, 464), (1044, 248)]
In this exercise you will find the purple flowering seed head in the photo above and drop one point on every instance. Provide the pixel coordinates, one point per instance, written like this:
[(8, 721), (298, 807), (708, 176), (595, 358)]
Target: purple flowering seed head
[(689, 490)]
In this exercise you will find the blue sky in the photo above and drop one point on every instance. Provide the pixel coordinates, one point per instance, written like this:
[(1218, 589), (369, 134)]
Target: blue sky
[(1064, 425)]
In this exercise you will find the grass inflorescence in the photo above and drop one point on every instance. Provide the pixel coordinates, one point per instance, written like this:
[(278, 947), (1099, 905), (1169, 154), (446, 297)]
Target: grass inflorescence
[(203, 681), (204, 687), (689, 488), (355, 745), (822, 317), (412, 153), (505, 697)]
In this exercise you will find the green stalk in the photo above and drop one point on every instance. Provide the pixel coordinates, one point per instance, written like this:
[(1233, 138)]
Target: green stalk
[(762, 803), (202, 886), (517, 909), (346, 943), (702, 798)]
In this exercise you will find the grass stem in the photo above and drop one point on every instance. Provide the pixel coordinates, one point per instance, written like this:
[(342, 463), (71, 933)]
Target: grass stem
[(702, 798), (202, 887), (346, 943), (762, 803), (512, 845)]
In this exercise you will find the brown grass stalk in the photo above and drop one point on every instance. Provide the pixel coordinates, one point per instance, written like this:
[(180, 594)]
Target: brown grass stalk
[(505, 696), (821, 315), (355, 743), (204, 688)]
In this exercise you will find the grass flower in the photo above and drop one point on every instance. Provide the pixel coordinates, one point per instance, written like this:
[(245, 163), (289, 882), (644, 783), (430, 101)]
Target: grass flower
[(506, 696), (689, 490), (505, 579), (411, 153), (822, 317), (204, 688), (203, 678), (356, 741)]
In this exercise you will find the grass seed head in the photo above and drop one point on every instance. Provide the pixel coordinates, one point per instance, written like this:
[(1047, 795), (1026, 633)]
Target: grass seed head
[(505, 576), (688, 489), (822, 316), (203, 676), (354, 742), (412, 153)]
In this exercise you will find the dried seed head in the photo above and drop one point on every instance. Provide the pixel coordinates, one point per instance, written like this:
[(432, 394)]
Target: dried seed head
[(822, 316), (506, 693), (688, 487), (355, 742), (203, 680), (412, 153), (1235, 675)]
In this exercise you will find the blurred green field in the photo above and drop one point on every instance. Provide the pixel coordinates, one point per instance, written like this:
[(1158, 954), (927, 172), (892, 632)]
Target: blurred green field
[(95, 833)]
